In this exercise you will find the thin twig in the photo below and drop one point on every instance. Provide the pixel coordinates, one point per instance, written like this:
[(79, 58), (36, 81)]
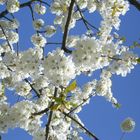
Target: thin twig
[(86, 23), (38, 95), (45, 3), (84, 100), (122, 136), (51, 43), (43, 111), (8, 18), (6, 37), (82, 17), (32, 12)]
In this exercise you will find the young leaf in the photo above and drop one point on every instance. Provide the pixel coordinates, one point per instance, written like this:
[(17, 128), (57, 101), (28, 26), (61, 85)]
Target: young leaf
[(138, 60), (55, 107), (71, 87), (58, 99), (117, 105)]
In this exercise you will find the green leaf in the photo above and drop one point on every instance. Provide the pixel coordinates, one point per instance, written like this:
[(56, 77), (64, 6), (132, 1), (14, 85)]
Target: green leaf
[(123, 39), (67, 105), (58, 100), (138, 60), (135, 43), (55, 107), (73, 104), (132, 47), (117, 105), (71, 87)]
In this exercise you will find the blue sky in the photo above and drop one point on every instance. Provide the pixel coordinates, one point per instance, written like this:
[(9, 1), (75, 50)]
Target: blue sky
[(99, 116)]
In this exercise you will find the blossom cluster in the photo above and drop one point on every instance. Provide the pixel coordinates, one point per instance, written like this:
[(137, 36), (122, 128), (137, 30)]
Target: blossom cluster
[(35, 74)]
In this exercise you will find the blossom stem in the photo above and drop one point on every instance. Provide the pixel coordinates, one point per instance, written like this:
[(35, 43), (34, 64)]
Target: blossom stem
[(122, 136), (38, 95), (32, 13), (52, 43), (86, 23)]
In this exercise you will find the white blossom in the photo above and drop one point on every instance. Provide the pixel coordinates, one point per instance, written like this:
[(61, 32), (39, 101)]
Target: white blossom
[(13, 6), (38, 40), (50, 31), (38, 24), (40, 9), (23, 89), (59, 68), (43, 78)]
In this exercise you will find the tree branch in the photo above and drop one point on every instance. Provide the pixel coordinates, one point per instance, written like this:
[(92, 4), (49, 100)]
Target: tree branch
[(50, 116), (66, 115), (84, 128), (135, 3), (65, 35)]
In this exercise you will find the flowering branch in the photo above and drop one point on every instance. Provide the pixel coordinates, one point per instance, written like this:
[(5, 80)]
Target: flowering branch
[(5, 12), (6, 37), (38, 95)]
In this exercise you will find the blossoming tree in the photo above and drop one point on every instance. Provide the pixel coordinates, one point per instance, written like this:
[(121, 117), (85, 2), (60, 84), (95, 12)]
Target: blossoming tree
[(45, 81)]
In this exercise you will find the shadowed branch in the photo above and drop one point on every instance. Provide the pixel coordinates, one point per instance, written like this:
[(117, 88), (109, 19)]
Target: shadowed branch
[(135, 3)]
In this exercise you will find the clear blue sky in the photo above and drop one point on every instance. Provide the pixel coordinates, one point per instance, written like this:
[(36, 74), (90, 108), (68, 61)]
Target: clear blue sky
[(99, 116)]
